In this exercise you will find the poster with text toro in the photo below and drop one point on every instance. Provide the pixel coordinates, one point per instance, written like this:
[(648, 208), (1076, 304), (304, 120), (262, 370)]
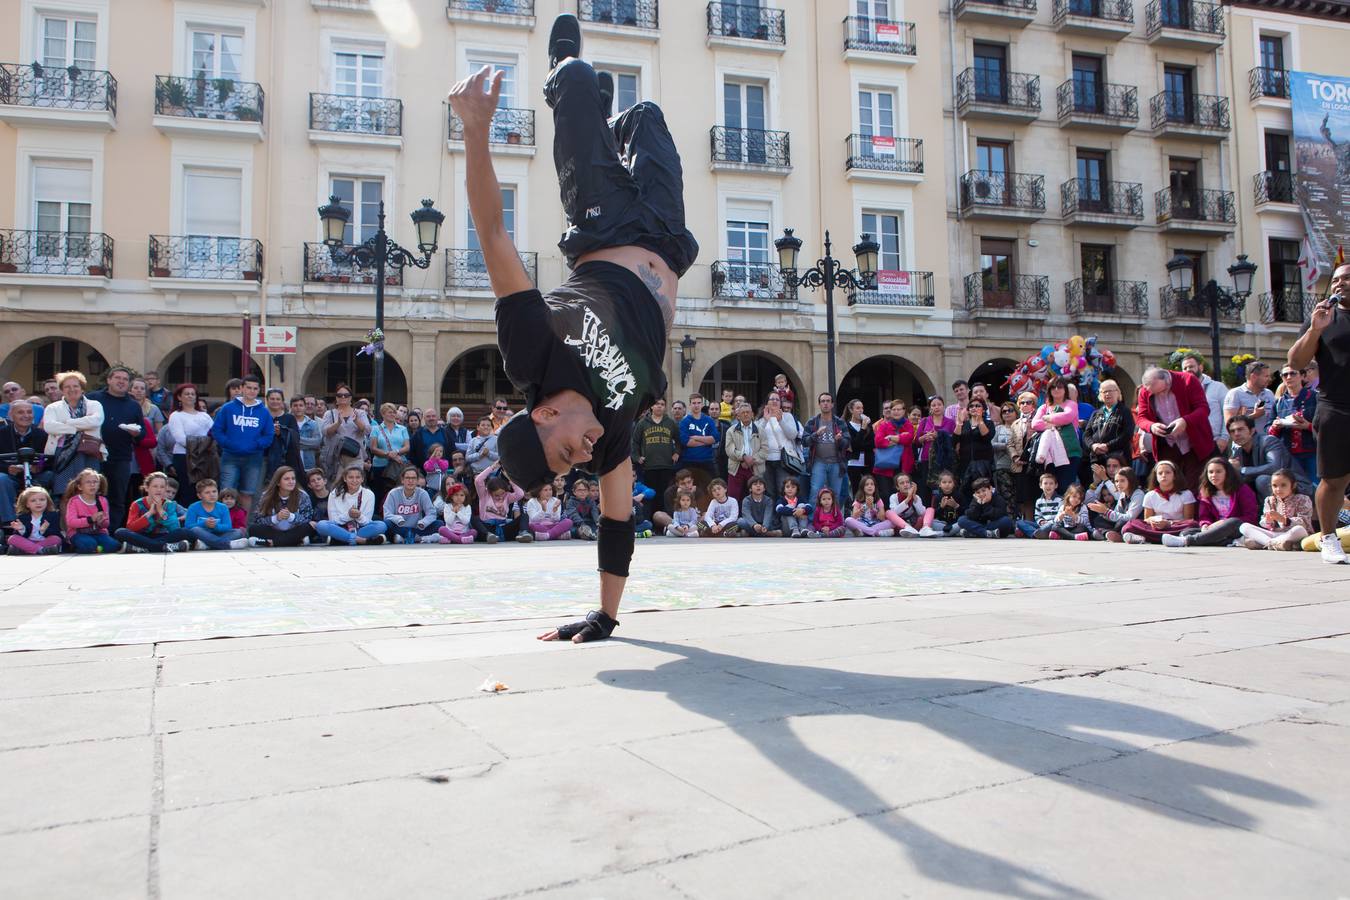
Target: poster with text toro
[(1321, 108)]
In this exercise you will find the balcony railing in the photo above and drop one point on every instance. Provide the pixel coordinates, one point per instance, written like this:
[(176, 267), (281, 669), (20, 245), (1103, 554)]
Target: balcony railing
[(750, 147), (885, 154), (55, 253), (1196, 206), (741, 20), (1014, 90), (1184, 15), (1005, 190), (1025, 293), (1111, 298), (1267, 82), (1102, 198), (1110, 103), (630, 13), (1273, 187), (382, 116), (465, 270), (913, 289), (880, 36), (208, 98), (1121, 11), (1025, 6), (205, 256), (509, 126), (321, 267), (46, 87), (1199, 110), (1289, 306), (1174, 305), (498, 7), (738, 280)]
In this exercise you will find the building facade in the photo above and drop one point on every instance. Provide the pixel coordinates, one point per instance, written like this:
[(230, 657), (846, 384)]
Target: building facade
[(167, 158)]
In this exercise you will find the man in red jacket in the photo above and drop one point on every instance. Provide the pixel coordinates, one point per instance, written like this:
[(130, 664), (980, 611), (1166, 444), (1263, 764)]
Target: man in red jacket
[(1173, 408)]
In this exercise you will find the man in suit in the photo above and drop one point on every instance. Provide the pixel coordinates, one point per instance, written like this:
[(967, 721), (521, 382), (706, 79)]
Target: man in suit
[(1257, 456), (1172, 407)]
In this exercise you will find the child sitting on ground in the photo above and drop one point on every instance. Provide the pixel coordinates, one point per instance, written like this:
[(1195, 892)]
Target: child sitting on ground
[(582, 511), (794, 513), (757, 515), (457, 515), (209, 521), (1129, 505), (906, 511), (1047, 507), (154, 522), (496, 495), (410, 512), (435, 467), (987, 515), (37, 526), (86, 513), (869, 512), (1286, 518), (720, 518), (945, 510), (684, 520), (828, 520), (1071, 522), (544, 512), (229, 498), (642, 498), (171, 488)]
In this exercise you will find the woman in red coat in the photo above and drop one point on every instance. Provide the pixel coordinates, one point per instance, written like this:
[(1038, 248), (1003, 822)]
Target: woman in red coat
[(1173, 408), (893, 432)]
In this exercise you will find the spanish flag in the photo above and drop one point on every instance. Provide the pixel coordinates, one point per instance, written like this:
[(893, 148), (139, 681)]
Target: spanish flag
[(1340, 258)]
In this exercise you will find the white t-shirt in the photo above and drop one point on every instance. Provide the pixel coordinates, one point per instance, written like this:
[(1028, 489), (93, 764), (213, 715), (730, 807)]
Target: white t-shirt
[(1170, 507)]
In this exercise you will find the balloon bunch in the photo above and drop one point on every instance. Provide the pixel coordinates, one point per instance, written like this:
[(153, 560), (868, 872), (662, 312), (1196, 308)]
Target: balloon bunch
[(1078, 360)]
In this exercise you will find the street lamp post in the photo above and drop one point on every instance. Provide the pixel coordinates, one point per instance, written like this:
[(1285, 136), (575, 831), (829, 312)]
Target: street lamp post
[(1181, 274), (829, 273), (380, 252)]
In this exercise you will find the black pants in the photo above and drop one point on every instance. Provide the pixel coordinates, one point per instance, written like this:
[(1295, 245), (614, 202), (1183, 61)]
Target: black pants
[(658, 480), (610, 202), (282, 537), (118, 473)]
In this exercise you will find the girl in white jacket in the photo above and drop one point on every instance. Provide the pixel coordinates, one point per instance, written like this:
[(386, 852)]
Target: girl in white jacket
[(545, 513), (351, 508)]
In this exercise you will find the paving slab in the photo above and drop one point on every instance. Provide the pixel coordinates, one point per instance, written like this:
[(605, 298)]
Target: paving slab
[(35, 721), (89, 654), (1294, 670), (264, 662), (47, 786), (647, 884), (107, 860), (78, 678), (1095, 649)]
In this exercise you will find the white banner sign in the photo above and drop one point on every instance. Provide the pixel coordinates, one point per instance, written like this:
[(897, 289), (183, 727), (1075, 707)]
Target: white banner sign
[(891, 281), (274, 339)]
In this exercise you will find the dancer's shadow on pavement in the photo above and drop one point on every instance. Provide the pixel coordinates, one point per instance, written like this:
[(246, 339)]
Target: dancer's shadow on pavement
[(1192, 786)]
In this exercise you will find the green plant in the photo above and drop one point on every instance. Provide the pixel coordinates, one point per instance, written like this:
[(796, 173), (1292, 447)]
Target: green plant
[(174, 94), (224, 88), (248, 114)]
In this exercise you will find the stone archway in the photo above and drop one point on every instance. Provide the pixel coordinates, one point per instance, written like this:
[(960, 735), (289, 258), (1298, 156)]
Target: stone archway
[(36, 360), (750, 373), (341, 364), (474, 380), (993, 374), (880, 378), (207, 364)]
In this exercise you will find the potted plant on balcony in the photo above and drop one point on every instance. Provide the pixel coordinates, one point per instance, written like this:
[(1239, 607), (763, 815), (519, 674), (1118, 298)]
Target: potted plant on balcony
[(248, 114), (224, 88), (513, 137), (98, 270), (7, 266), (172, 95)]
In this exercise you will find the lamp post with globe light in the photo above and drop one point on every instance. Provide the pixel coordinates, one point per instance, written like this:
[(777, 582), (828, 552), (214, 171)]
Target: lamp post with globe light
[(1181, 274)]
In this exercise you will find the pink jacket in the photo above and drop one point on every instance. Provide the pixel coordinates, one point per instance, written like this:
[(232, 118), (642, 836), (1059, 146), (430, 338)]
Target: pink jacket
[(1045, 419), (487, 507), (1244, 508)]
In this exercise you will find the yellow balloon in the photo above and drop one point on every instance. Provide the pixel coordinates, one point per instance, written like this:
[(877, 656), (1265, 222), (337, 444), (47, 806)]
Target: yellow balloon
[(1077, 346)]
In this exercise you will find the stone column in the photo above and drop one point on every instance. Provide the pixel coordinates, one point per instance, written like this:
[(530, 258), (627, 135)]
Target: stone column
[(131, 347), (423, 386)]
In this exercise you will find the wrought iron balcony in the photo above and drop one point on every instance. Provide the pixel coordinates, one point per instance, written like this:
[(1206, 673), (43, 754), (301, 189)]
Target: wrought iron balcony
[(1184, 20), (1006, 94), (1189, 113), (629, 13), (1022, 293), (206, 257), (738, 280), (47, 87), (465, 270), (513, 127), (1266, 82), (880, 36), (496, 7), (1273, 187), (320, 267), (208, 98), (1112, 106), (1089, 200), (1094, 14), (743, 20), (981, 190), (55, 253), (1174, 305), (1014, 11), (750, 147), (1088, 297), (885, 154), (1196, 206), (381, 116), (914, 289), (1289, 306)]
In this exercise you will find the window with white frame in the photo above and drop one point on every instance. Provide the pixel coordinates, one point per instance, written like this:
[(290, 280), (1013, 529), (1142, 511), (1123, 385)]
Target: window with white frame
[(358, 71), (744, 112), (362, 196), (876, 113), (502, 125), (63, 207), (216, 53), (212, 213), (475, 261), (65, 42), (887, 229), (748, 247), (626, 86)]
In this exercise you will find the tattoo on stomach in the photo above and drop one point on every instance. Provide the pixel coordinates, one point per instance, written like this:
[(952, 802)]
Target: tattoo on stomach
[(654, 282)]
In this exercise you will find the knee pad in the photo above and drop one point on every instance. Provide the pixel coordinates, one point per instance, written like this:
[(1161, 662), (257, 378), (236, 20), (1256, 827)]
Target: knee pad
[(614, 546)]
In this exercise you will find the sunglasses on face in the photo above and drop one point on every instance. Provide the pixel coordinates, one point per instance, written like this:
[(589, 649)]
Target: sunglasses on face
[(1287, 374), (342, 396)]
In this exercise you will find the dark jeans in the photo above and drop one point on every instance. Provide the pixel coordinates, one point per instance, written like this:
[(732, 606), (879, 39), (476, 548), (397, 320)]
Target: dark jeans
[(658, 480), (279, 537), (118, 473), (608, 201), (1003, 526), (155, 542), (1217, 534)]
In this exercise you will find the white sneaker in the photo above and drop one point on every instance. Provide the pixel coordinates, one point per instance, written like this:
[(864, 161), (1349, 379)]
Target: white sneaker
[(1173, 540), (432, 539), (257, 542), (927, 532), (1132, 538), (173, 547), (239, 543), (1332, 551), (201, 545), (541, 536)]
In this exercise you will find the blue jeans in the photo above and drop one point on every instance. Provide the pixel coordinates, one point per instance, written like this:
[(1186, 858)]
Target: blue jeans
[(827, 474), (95, 543), (217, 540), (411, 532), (241, 472), (1306, 465), (1028, 528), (340, 534), (1003, 526)]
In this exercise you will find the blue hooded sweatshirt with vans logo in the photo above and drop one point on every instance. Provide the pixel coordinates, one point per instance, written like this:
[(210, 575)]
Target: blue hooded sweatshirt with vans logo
[(243, 430)]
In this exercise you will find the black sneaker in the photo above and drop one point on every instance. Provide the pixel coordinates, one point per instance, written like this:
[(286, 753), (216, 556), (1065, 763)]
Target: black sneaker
[(606, 81), (564, 40)]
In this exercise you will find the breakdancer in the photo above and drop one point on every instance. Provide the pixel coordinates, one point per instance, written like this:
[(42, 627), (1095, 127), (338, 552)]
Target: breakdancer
[(588, 355)]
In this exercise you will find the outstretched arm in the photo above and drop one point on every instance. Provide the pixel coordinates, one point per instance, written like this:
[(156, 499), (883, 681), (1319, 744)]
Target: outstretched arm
[(475, 107)]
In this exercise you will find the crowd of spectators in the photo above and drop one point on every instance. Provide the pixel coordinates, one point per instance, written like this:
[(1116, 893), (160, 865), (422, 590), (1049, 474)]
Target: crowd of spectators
[(137, 466)]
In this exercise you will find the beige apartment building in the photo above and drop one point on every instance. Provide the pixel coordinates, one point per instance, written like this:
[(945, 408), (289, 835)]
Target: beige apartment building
[(168, 157)]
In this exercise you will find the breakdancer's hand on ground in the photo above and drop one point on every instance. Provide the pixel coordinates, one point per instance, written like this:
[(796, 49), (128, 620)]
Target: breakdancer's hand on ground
[(473, 103)]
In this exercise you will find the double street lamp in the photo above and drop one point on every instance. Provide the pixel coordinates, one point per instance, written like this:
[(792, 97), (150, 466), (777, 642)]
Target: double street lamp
[(829, 273), (1181, 274), (379, 251)]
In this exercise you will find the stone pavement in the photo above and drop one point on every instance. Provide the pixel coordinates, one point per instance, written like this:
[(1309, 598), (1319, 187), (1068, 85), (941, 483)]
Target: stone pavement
[(1181, 731)]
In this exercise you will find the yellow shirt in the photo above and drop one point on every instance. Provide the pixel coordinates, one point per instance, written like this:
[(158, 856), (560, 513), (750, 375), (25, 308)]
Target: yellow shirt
[(724, 412)]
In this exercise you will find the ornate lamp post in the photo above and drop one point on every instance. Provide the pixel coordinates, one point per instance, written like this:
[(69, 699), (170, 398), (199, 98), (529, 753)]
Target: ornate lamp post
[(686, 351), (380, 252), (1181, 274), (829, 273)]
